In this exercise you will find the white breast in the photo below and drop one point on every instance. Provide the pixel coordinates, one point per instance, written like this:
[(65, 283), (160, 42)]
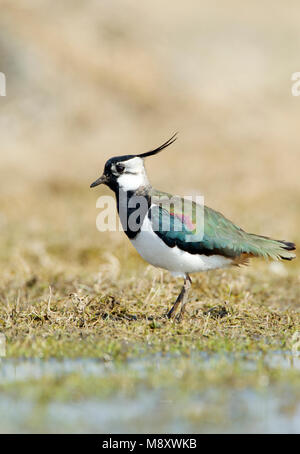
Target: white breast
[(178, 262)]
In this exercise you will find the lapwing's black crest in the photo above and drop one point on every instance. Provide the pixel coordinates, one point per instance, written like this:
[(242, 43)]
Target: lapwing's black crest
[(160, 148), (157, 150)]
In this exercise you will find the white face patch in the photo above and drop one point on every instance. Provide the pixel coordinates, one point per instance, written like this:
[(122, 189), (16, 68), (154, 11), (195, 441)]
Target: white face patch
[(134, 175)]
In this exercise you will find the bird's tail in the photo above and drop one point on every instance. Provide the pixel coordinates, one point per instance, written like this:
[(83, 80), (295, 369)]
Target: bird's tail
[(262, 246)]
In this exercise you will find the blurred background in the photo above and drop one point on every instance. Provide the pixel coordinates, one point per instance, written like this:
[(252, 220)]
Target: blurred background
[(90, 80)]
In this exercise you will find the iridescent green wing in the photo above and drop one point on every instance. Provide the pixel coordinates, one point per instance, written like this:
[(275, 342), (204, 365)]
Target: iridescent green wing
[(201, 230), (192, 227)]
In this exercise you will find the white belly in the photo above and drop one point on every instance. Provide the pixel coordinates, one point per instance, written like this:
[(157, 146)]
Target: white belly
[(178, 262)]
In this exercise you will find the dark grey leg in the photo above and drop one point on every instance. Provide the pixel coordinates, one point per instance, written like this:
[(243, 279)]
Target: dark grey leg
[(182, 298), (187, 285)]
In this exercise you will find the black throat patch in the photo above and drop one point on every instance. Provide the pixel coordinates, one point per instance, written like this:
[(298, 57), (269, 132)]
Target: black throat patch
[(132, 208)]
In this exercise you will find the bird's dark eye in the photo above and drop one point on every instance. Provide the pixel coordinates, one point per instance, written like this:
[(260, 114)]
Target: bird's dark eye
[(120, 168)]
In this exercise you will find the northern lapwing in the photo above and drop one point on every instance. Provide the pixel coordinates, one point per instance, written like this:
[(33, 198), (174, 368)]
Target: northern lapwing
[(166, 235)]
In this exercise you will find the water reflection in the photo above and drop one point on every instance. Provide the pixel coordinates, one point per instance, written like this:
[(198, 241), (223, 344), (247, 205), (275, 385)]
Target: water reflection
[(211, 410)]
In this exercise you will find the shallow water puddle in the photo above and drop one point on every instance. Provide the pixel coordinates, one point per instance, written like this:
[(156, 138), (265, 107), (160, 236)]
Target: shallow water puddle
[(152, 403), (24, 369)]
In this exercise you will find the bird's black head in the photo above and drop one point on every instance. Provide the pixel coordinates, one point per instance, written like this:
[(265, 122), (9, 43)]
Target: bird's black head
[(114, 168), (128, 172)]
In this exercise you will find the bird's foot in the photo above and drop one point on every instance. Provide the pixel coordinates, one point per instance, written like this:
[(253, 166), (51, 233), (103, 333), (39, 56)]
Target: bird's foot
[(181, 299), (171, 313), (179, 316)]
